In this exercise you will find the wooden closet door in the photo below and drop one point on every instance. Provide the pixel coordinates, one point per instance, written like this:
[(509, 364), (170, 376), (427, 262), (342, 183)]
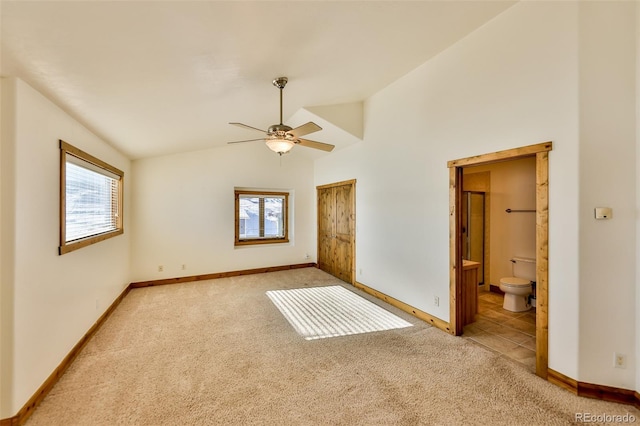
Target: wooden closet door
[(336, 229), (343, 224), (325, 230)]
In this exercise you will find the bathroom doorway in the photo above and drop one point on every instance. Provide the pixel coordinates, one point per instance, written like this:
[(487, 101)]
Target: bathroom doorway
[(457, 222)]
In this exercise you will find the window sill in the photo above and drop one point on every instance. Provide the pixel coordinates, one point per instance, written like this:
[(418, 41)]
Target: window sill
[(261, 241), (76, 245)]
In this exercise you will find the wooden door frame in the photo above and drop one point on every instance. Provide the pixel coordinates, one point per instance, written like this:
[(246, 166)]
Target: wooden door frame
[(352, 183), (541, 153)]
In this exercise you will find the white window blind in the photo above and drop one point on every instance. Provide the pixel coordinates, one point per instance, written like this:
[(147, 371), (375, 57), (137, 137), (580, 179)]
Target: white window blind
[(91, 195)]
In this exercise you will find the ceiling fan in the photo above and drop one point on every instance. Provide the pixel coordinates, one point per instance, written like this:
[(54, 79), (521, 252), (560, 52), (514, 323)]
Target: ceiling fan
[(280, 138)]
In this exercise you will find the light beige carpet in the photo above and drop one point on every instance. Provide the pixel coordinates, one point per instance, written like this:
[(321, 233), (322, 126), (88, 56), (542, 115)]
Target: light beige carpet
[(219, 352)]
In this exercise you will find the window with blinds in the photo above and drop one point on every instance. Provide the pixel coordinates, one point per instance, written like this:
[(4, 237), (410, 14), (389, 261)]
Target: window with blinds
[(261, 217), (91, 199)]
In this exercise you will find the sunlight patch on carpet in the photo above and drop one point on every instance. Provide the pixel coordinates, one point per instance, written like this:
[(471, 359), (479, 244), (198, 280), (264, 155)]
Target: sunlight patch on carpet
[(319, 312)]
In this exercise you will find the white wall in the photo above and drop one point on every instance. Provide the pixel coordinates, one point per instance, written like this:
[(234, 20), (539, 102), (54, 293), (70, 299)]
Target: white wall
[(184, 210), (513, 186), (513, 82), (55, 299), (7, 237), (607, 179)]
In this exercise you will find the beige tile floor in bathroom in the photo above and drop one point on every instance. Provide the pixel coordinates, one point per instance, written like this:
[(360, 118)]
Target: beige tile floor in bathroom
[(512, 334)]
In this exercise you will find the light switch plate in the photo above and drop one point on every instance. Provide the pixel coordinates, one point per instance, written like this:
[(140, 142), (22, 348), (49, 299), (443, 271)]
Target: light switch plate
[(603, 213)]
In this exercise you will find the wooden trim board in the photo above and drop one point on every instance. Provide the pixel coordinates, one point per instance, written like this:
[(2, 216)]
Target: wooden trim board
[(435, 321), (589, 390), (542, 262), (217, 275), (563, 381), (341, 183), (10, 421), (455, 247), (506, 155)]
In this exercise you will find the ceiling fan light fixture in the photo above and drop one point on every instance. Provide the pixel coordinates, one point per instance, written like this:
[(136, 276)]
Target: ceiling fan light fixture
[(280, 145), (280, 138)]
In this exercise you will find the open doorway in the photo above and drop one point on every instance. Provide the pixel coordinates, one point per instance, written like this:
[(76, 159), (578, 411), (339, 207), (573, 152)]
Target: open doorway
[(458, 303)]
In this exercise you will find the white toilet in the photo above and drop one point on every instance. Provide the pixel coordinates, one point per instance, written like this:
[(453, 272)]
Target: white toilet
[(518, 287)]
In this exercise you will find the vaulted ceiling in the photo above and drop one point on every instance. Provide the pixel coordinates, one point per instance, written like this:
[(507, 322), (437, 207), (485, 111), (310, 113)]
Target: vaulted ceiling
[(159, 77)]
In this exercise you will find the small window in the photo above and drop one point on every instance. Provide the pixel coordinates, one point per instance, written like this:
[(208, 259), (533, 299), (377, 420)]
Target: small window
[(261, 217), (90, 199)]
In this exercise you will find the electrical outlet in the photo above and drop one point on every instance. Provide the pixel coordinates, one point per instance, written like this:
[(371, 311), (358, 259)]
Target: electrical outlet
[(160, 268), (619, 360), (306, 256), (184, 266), (436, 300)]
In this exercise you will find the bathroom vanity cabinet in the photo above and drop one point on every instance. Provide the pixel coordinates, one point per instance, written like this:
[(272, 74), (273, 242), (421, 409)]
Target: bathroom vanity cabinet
[(470, 291)]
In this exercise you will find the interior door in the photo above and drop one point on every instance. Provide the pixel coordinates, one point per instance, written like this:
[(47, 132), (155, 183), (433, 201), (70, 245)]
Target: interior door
[(336, 229), (325, 229)]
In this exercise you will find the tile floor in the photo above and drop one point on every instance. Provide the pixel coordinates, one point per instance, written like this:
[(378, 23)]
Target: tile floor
[(512, 334)]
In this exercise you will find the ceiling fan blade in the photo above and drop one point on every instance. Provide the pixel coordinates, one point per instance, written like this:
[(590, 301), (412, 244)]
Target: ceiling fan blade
[(248, 140), (248, 127), (305, 129), (316, 145)]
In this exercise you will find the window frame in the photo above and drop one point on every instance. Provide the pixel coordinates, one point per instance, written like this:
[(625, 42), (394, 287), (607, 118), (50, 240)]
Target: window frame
[(67, 149), (264, 240)]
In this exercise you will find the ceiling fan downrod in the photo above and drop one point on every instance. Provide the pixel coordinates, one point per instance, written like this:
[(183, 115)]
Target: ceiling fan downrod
[(280, 82)]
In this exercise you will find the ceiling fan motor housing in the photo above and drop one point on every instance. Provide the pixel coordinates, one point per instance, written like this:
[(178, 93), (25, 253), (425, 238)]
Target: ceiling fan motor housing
[(278, 129)]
